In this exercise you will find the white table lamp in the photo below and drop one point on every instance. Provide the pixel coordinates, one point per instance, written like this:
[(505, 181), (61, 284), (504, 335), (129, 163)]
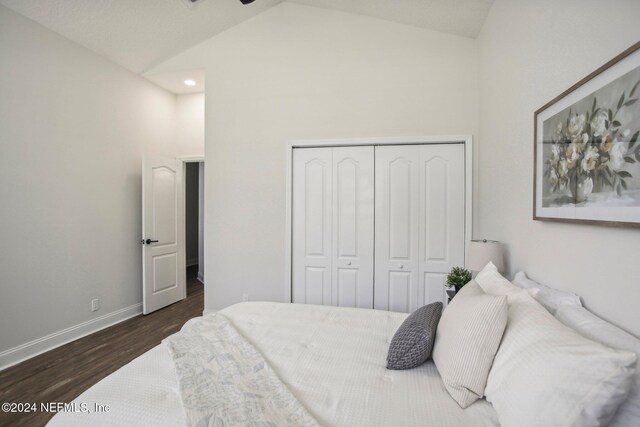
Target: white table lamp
[(481, 252)]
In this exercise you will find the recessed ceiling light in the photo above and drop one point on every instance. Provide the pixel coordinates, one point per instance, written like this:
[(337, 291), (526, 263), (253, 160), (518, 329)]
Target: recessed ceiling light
[(190, 82)]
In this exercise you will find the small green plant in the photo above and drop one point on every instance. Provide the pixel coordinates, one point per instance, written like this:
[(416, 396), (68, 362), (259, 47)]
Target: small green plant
[(458, 277)]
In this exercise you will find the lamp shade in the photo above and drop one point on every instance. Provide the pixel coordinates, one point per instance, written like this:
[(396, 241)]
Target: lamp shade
[(481, 252)]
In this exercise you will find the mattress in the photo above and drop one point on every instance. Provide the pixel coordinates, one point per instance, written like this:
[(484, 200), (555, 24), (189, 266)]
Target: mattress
[(332, 359)]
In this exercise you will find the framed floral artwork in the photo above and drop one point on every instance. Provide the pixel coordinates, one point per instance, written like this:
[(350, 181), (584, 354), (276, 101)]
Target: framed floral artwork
[(587, 148)]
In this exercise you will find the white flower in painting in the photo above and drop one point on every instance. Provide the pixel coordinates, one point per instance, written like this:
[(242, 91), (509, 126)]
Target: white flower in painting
[(572, 153), (590, 159), (563, 168), (558, 136), (626, 132), (585, 138), (555, 152), (599, 123), (617, 152), (576, 125), (606, 142)]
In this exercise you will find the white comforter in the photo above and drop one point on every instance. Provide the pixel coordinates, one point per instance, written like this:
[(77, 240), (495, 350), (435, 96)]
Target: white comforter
[(331, 359)]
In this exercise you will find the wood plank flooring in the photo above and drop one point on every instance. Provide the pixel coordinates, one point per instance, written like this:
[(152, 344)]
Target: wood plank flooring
[(62, 374)]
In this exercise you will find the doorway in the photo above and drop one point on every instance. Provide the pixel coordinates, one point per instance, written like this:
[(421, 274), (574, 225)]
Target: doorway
[(194, 221), (173, 229)]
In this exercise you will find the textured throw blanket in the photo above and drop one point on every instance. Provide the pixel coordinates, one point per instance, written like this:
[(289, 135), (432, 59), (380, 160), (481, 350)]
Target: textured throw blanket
[(225, 382)]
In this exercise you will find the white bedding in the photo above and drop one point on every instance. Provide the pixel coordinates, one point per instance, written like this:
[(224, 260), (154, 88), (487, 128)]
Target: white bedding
[(225, 381), (144, 392), (332, 360)]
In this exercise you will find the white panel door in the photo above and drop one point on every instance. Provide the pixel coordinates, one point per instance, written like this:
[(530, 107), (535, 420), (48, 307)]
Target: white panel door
[(353, 210), (312, 226), (163, 270), (442, 218), (420, 223), (397, 202), (333, 216)]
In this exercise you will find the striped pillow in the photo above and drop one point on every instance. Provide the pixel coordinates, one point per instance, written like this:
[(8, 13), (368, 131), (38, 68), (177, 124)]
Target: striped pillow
[(467, 339), (546, 374), (594, 328)]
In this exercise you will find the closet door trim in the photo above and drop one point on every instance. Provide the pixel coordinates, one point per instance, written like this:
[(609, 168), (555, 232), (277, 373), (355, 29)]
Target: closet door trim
[(291, 145)]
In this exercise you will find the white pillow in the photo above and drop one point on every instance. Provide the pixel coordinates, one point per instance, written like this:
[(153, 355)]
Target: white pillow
[(494, 283), (546, 374), (550, 298), (593, 327), (467, 339)]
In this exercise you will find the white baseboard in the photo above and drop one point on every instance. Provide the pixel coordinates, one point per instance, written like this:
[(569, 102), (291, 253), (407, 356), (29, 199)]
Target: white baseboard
[(201, 277), (192, 262), (38, 346)]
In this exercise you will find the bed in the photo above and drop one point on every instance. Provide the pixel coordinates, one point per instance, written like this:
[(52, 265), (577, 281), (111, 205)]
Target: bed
[(332, 360), (518, 354)]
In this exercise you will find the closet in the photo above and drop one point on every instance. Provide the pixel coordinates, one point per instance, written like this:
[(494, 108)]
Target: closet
[(376, 226)]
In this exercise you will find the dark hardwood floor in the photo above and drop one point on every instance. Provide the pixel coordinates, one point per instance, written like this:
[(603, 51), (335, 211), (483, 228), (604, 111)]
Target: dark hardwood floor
[(60, 375)]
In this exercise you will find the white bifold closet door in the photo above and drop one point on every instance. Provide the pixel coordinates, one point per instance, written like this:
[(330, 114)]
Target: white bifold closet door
[(333, 226), (420, 223)]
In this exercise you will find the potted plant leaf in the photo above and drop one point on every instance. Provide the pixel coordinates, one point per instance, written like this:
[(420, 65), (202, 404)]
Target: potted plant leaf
[(456, 279)]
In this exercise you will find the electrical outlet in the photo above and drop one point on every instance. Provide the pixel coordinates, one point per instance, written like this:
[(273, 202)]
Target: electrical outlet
[(95, 304), (245, 297)]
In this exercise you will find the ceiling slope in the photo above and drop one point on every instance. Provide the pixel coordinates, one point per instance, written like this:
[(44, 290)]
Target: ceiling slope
[(137, 34), (459, 17)]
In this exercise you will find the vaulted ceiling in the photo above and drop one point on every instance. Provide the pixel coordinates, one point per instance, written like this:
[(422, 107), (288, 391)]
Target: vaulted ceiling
[(139, 34), (460, 17)]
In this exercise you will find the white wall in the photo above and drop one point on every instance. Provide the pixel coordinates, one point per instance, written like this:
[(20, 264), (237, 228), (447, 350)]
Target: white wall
[(190, 140), (74, 128), (531, 51), (298, 72), (190, 143), (190, 124)]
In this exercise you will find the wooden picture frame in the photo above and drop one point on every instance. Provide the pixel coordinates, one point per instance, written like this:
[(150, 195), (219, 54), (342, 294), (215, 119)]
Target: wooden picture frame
[(587, 148)]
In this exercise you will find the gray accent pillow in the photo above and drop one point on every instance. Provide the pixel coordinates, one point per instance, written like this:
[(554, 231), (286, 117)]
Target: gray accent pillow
[(413, 341)]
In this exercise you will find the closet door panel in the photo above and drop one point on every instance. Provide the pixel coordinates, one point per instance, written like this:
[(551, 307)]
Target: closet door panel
[(315, 286), (311, 224), (442, 217), (396, 227), (400, 209), (353, 219), (432, 288), (434, 203), (347, 287), (399, 291)]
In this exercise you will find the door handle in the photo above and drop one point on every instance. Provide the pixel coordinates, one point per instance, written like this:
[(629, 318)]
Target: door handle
[(149, 241)]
